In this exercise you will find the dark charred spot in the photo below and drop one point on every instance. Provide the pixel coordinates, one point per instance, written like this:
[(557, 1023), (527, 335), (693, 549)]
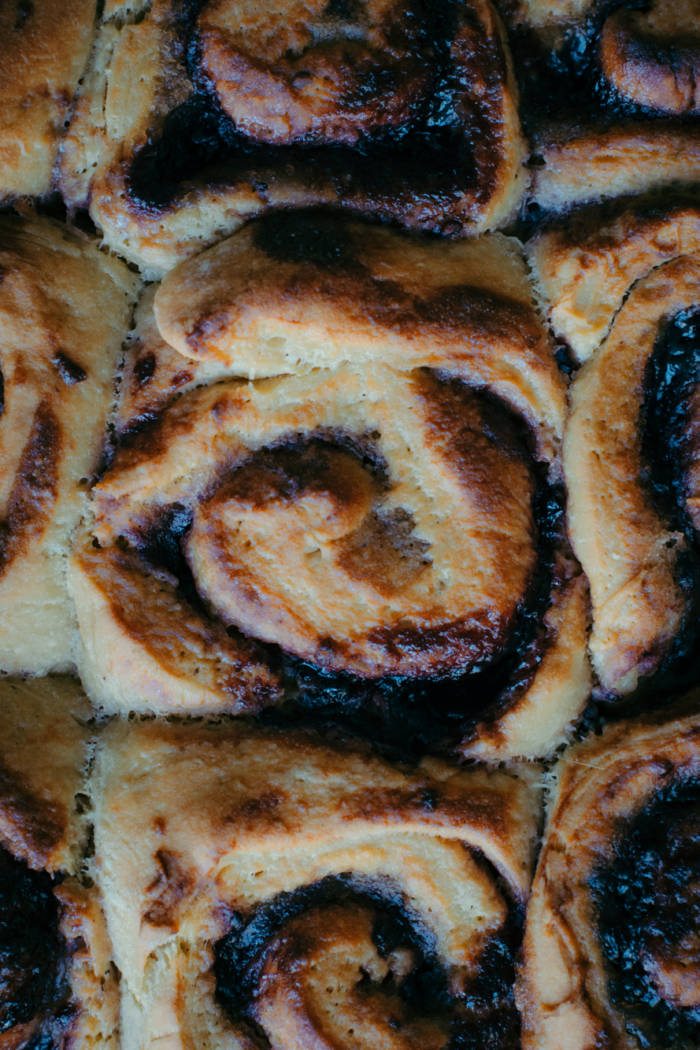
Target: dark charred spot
[(24, 9), (483, 1014), (648, 901), (144, 369), (315, 237), (69, 371), (33, 986)]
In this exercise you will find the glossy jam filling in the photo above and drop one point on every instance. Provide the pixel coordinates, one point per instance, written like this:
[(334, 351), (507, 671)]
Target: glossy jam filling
[(428, 159), (33, 987), (648, 902), (483, 1014), (406, 716)]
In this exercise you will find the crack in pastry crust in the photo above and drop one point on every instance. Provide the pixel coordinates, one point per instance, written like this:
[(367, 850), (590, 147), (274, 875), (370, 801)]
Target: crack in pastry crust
[(576, 984), (168, 173), (64, 311), (291, 865)]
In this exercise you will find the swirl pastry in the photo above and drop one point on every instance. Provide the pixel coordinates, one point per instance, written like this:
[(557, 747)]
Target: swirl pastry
[(611, 945), (200, 116), (56, 985), (65, 309), (394, 527), (623, 284), (259, 883), (44, 49)]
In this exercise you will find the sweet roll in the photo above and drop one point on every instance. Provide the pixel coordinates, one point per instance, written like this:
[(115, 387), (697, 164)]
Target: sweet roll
[(389, 530), (65, 309), (57, 986), (622, 284), (193, 118), (611, 943), (262, 884)]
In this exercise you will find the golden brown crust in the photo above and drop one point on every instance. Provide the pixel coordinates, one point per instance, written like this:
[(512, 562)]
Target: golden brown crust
[(43, 760), (652, 58), (138, 77), (585, 265), (43, 54), (600, 786), (613, 277), (304, 71), (64, 311), (235, 817), (593, 164), (302, 290), (356, 480)]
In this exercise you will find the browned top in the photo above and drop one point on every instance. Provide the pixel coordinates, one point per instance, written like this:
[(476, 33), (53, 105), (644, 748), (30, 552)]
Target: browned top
[(316, 72), (64, 311), (653, 57), (43, 50)]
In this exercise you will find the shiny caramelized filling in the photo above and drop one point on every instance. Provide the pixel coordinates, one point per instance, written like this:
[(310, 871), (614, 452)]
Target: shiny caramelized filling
[(648, 902), (670, 440), (396, 142), (356, 955), (33, 988)]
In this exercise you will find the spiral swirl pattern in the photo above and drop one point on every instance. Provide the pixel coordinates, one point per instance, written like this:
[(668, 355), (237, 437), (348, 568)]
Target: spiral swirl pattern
[(64, 311), (324, 896), (611, 953), (632, 486), (408, 509)]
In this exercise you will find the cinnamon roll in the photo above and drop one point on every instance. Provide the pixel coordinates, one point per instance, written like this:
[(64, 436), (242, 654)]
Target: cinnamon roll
[(390, 531), (57, 988), (611, 944), (65, 308), (623, 286), (260, 884), (44, 49), (198, 116)]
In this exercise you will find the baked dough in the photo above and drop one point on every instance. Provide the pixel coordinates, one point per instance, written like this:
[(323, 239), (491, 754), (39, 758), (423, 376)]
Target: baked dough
[(646, 58), (356, 481), (623, 822), (44, 48), (616, 279), (244, 873), (589, 164), (65, 308), (57, 985), (167, 173)]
